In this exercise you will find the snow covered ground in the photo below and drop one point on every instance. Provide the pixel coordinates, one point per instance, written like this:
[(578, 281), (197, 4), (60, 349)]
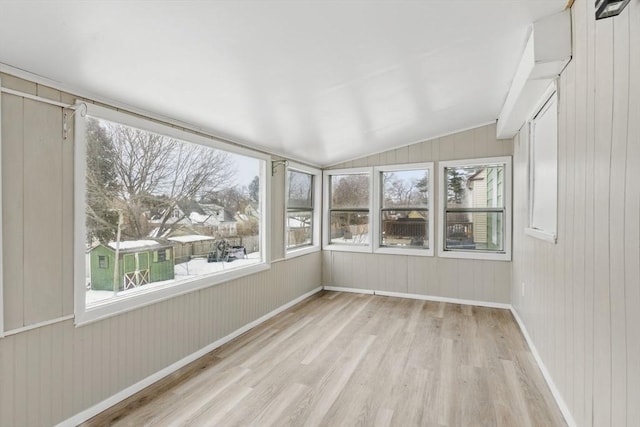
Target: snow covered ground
[(195, 268)]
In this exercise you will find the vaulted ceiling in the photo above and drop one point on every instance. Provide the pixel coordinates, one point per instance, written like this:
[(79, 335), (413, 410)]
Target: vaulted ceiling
[(317, 81)]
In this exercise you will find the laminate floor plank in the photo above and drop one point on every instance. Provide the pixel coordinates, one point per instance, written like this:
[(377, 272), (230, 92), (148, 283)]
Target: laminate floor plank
[(343, 359)]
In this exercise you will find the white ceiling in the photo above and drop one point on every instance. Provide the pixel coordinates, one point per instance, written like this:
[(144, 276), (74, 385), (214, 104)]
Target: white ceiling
[(318, 81)]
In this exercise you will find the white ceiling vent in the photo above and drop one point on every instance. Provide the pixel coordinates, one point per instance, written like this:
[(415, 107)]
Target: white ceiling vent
[(547, 52)]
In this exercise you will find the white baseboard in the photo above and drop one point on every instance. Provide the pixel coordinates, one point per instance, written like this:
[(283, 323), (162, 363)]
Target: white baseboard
[(131, 390), (421, 297), (568, 417), (350, 290)]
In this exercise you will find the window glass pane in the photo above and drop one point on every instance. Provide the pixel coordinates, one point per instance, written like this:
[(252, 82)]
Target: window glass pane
[(406, 228), (402, 189), (479, 186), (350, 191), (299, 228), (149, 195), (349, 227), (474, 231), (300, 190)]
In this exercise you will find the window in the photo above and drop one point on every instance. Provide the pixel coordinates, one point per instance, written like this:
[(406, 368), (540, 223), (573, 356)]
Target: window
[(302, 227), (543, 171), (159, 202), (162, 255), (348, 201), (475, 211), (403, 212), (103, 261)]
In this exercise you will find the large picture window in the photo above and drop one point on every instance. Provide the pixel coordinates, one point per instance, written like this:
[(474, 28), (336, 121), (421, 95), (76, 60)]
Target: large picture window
[(404, 214), (475, 208), (160, 211), (348, 201), (302, 226)]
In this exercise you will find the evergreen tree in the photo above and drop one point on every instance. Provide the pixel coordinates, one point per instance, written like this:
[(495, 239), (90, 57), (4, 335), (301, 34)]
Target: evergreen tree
[(102, 184)]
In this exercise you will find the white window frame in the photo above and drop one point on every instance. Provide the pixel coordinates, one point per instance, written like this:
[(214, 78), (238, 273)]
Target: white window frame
[(326, 226), (317, 210), (377, 210), (548, 233), (442, 204), (143, 297), (1, 240)]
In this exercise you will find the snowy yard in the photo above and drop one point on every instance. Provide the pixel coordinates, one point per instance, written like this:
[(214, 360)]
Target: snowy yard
[(195, 268)]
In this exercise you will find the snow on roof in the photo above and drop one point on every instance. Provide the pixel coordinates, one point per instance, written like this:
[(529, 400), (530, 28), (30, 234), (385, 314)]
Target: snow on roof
[(203, 219), (190, 238), (130, 244)]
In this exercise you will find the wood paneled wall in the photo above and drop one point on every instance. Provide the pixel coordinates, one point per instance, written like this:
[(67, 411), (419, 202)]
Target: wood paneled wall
[(52, 372), (477, 280), (582, 295)]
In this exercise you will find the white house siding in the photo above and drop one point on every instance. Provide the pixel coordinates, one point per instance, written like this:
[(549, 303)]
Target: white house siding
[(477, 280), (52, 372), (582, 295)]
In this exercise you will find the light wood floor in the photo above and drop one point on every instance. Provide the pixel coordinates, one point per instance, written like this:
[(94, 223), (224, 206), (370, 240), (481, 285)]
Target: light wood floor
[(340, 359)]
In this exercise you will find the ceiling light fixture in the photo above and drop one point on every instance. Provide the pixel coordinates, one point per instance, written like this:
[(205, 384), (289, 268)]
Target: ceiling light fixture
[(607, 8)]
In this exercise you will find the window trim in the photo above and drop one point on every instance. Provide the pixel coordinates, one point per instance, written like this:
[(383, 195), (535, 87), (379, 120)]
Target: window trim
[(442, 186), (377, 210), (144, 297), (317, 210), (1, 236), (549, 99), (326, 227)]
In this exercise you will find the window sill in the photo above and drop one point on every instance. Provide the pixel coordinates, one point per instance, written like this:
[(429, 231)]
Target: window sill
[(542, 235), (348, 248), (123, 303), (296, 252), (486, 256), (403, 251)]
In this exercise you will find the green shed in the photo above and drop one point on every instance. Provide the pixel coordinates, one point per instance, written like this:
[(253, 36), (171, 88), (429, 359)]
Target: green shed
[(140, 262)]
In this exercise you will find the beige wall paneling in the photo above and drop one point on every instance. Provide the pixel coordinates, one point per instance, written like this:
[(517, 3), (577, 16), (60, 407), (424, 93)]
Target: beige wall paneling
[(602, 171), (578, 102), (12, 209), (7, 378), (632, 225), (419, 277), (587, 16), (402, 155), (581, 295), (447, 148), (277, 210), (42, 211), (464, 144), (616, 219), (19, 84)]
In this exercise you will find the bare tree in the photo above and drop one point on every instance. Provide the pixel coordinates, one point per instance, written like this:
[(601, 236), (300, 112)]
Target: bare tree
[(154, 172), (350, 191)]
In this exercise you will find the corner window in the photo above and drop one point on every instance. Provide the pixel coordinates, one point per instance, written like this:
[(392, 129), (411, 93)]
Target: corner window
[(475, 210), (348, 201), (302, 227), (153, 204), (543, 171), (403, 211)]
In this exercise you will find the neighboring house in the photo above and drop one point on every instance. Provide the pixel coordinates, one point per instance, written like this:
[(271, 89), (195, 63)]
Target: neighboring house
[(477, 184), (140, 262), (193, 218)]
